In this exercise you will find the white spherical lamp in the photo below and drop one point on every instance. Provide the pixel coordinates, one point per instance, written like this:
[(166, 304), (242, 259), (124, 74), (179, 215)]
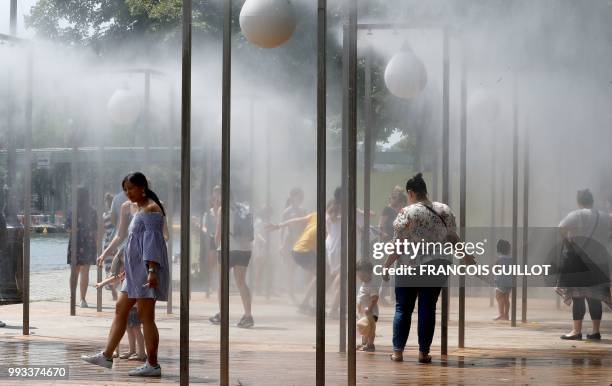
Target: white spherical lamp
[(405, 75), (123, 107), (267, 23), (483, 106)]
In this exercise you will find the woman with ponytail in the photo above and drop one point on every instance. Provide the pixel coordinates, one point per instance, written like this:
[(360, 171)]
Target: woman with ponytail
[(146, 271)]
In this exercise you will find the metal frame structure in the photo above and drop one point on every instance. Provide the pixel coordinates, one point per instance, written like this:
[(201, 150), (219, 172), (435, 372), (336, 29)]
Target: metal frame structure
[(27, 160), (445, 170), (349, 184)]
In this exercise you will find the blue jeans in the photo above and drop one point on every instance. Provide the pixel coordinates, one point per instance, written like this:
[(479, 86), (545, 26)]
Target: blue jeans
[(405, 298)]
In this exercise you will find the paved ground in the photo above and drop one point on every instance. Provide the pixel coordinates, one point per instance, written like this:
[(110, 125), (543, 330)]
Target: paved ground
[(280, 349)]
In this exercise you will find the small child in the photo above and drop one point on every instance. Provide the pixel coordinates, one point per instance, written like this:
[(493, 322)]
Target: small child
[(367, 305), (135, 338), (134, 330), (503, 283)]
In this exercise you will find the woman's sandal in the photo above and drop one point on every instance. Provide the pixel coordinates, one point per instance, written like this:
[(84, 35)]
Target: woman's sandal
[(397, 357), (424, 358), (126, 355), (136, 357)]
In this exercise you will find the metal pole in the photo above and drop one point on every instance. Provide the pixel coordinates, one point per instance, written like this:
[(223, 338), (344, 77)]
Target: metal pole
[(367, 155), (525, 224), (28, 193), (268, 265), (99, 203), (445, 174), (13, 11), (514, 193), (462, 195), (493, 207), (343, 257), (74, 226), (225, 191), (170, 204), (352, 191), (146, 118), (185, 192), (321, 187)]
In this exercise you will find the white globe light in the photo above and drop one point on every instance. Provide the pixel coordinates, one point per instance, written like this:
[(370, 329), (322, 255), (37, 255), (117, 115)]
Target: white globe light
[(267, 23), (405, 75), (123, 107), (482, 106)]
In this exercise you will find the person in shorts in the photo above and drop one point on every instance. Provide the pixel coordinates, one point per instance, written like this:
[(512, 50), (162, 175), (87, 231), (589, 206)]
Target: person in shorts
[(241, 246), (503, 283)]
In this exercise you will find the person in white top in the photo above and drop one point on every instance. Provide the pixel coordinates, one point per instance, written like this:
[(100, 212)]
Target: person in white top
[(240, 249), (589, 231)]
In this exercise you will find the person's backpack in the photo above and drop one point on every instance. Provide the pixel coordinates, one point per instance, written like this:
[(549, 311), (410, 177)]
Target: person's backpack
[(243, 222)]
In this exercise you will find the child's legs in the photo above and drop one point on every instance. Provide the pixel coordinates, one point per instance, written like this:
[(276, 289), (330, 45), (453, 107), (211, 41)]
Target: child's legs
[(245, 292), (140, 347), (501, 305), (131, 339), (506, 304), (372, 335), (84, 281)]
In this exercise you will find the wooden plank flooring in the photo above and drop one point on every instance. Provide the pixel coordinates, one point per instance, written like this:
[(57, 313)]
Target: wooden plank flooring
[(280, 349)]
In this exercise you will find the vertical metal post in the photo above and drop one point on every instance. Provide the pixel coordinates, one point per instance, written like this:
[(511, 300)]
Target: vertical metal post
[(343, 152), (74, 226), (170, 204), (27, 176), (99, 203), (11, 160), (225, 191), (352, 191), (146, 115), (515, 138), (445, 173), (525, 223), (13, 16), (268, 265), (368, 143), (493, 207), (435, 176), (185, 192), (321, 187), (462, 194)]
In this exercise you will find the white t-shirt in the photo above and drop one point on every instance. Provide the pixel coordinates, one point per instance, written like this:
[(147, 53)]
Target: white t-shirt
[(366, 291), (242, 243), (332, 241), (580, 223)]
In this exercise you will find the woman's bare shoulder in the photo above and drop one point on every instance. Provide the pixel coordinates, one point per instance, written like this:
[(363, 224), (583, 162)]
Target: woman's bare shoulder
[(152, 207)]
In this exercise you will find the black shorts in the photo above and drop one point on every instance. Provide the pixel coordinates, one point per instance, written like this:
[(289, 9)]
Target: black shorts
[(306, 260), (238, 258)]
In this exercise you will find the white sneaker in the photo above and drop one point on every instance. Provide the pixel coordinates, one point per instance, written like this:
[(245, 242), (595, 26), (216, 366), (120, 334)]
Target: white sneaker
[(146, 370), (2, 324), (84, 304), (98, 359)]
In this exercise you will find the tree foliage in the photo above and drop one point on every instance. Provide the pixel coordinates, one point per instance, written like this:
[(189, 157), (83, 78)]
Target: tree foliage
[(106, 25)]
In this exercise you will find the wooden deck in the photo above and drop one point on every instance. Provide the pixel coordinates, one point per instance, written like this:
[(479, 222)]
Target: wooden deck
[(280, 349)]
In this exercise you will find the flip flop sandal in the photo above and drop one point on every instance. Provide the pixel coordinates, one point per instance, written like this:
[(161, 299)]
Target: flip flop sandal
[(136, 357), (126, 355)]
